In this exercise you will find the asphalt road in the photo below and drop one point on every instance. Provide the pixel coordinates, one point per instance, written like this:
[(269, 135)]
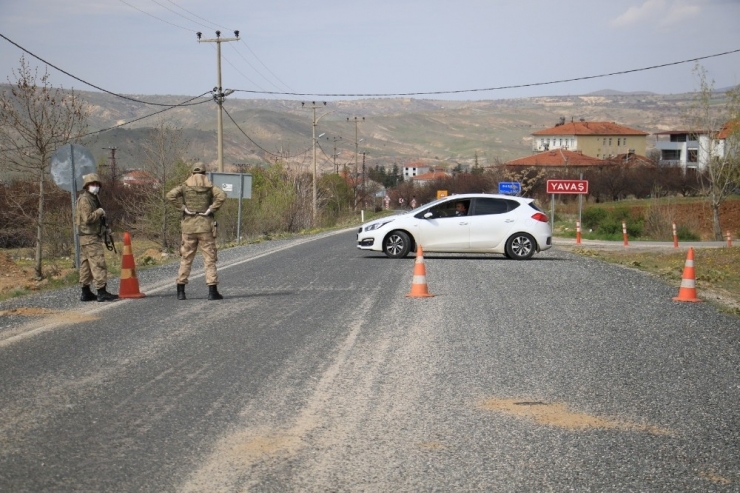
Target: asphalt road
[(317, 373)]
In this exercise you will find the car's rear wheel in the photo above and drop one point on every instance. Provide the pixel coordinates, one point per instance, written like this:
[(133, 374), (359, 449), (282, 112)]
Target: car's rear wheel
[(520, 246), (397, 244)]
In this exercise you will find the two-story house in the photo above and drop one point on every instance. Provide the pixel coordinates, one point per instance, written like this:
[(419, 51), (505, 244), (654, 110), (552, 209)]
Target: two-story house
[(692, 149), (414, 169), (678, 148), (601, 140)]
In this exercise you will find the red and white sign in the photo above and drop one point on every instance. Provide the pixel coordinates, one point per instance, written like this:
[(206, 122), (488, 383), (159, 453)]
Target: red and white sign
[(567, 186)]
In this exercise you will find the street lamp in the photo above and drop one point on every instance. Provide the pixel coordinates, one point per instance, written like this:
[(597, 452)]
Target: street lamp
[(314, 138)]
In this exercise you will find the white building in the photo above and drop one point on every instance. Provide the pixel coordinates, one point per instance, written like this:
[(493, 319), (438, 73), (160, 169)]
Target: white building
[(415, 169)]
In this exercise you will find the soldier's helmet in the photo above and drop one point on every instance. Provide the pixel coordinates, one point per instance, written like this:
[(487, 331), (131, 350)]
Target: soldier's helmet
[(90, 178), (198, 168)]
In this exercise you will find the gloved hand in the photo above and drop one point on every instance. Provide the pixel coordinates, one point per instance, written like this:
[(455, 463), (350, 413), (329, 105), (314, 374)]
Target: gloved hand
[(206, 213), (101, 211), (187, 211)]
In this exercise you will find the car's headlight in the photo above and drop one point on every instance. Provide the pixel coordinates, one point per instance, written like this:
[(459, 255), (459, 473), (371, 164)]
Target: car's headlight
[(375, 226)]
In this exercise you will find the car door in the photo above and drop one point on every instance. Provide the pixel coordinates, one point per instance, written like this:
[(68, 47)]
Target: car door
[(491, 222), (439, 230)]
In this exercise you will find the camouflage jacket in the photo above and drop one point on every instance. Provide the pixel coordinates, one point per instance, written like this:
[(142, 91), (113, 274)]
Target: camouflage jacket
[(87, 218), (196, 186)]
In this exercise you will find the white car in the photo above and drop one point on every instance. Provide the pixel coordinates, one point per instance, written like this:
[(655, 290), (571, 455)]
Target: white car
[(512, 226)]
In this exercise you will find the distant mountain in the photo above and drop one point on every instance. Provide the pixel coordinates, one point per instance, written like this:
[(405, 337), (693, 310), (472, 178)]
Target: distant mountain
[(612, 92), (394, 130)]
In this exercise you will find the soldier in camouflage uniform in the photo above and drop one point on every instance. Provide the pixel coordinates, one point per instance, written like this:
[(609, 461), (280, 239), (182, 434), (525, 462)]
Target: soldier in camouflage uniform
[(89, 221), (198, 200)]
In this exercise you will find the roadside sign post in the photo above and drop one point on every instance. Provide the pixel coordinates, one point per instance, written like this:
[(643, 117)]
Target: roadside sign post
[(69, 164), (510, 187), (571, 187), (237, 186)]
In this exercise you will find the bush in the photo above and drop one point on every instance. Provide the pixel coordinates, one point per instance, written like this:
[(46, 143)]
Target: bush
[(685, 234), (593, 216)]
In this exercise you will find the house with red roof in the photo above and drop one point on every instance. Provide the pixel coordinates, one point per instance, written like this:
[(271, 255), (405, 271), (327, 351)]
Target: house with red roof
[(428, 177), (596, 139), (557, 158), (139, 177)]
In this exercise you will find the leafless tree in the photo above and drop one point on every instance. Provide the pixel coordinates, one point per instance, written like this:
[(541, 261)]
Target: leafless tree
[(719, 129), (35, 120), (164, 150)]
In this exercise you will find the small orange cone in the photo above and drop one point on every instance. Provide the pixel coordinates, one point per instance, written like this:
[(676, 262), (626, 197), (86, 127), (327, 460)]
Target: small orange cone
[(419, 283), (129, 287), (687, 292)]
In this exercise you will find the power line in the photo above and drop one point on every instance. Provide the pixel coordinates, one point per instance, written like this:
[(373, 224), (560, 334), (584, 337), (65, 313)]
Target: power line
[(517, 86), (155, 17), (179, 14), (88, 83), (125, 123), (196, 15), (253, 68), (217, 25), (266, 67), (151, 114), (256, 144)]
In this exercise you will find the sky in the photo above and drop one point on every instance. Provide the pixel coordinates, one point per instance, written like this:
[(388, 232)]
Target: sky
[(461, 49)]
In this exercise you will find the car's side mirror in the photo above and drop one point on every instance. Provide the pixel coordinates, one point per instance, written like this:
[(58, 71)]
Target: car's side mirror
[(428, 215)]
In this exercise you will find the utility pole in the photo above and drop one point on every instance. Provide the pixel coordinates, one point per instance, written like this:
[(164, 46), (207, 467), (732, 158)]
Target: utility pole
[(364, 197), (313, 139), (112, 164), (334, 156), (218, 94), (357, 142)]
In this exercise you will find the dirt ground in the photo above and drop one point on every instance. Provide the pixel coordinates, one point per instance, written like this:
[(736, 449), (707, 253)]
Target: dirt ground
[(698, 217)]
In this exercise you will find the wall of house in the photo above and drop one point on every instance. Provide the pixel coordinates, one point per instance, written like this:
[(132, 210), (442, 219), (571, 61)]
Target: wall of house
[(595, 146)]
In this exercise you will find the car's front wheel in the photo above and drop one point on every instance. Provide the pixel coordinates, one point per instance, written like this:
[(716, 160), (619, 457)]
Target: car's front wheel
[(397, 244), (520, 246)]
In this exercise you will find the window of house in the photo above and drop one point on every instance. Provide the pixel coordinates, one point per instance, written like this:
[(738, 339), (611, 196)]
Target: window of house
[(619, 142), (624, 141), (610, 141), (604, 141)]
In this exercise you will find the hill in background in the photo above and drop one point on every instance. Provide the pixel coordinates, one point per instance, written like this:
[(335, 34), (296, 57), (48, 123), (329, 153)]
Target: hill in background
[(394, 130)]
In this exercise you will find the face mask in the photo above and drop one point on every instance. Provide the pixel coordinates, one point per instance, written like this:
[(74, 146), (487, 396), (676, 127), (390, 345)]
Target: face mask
[(93, 190)]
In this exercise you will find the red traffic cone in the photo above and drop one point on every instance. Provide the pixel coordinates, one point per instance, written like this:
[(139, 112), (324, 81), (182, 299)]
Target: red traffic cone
[(687, 291), (129, 287), (419, 283)]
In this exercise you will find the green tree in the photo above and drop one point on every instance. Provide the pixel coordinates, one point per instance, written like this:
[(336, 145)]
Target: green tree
[(35, 120)]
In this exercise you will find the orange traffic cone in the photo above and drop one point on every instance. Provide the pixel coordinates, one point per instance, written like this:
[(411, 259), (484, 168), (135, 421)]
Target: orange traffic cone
[(419, 283), (129, 287), (687, 292)]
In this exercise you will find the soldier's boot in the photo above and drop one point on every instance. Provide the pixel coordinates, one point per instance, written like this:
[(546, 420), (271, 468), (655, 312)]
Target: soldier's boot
[(181, 292), (213, 293), (87, 294), (104, 295)]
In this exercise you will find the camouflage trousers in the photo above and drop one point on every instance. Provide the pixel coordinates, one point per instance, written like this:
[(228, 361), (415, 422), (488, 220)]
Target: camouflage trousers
[(188, 249), (92, 265)]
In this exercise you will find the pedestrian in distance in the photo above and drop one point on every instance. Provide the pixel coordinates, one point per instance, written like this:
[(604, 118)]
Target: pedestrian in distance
[(198, 200), (91, 227)]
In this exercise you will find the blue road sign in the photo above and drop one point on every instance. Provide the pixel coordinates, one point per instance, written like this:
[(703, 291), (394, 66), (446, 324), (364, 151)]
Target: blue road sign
[(509, 187)]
